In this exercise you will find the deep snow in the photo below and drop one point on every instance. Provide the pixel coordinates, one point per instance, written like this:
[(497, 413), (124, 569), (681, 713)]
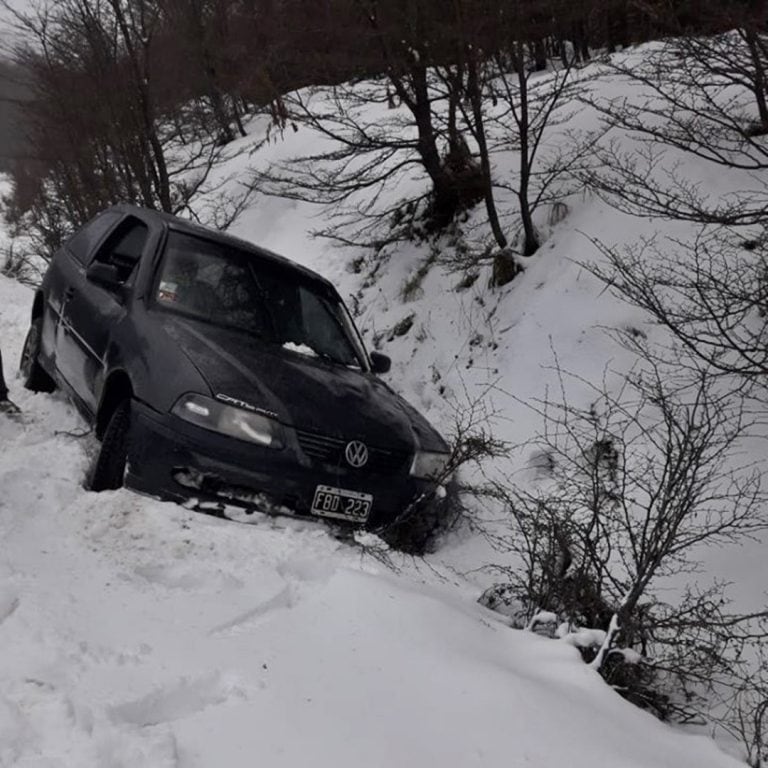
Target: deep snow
[(135, 633)]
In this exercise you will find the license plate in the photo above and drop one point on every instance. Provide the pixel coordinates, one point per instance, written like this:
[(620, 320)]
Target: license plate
[(341, 504)]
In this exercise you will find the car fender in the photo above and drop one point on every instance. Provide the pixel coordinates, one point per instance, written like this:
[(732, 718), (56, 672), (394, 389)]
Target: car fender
[(158, 372)]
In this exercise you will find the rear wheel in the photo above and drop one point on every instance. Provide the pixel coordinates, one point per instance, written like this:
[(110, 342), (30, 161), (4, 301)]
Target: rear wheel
[(108, 469), (33, 374)]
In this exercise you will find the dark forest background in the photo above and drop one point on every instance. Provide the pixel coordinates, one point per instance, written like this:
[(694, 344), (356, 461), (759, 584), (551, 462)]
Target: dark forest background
[(12, 94), (113, 89)]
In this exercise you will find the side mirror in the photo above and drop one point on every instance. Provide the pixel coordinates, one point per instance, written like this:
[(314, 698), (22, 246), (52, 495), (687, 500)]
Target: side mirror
[(380, 363), (105, 275)]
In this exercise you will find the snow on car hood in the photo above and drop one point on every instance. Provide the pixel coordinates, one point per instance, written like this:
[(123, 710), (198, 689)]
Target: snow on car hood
[(301, 391)]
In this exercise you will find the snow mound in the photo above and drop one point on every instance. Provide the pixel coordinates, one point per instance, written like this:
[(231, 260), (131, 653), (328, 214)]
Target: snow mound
[(301, 349)]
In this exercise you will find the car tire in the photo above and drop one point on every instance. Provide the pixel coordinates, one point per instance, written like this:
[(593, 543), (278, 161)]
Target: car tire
[(108, 469), (33, 374), (418, 530)]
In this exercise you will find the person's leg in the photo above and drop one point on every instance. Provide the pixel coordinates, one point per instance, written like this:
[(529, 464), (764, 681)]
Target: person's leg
[(6, 406), (3, 387)]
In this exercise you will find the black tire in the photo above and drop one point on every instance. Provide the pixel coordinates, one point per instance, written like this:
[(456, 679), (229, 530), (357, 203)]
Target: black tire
[(33, 375), (418, 531), (108, 469)]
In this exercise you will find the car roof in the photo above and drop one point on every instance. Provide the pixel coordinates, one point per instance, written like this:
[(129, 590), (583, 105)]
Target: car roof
[(186, 226)]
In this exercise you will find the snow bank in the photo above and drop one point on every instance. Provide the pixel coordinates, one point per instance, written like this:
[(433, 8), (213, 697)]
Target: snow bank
[(135, 633)]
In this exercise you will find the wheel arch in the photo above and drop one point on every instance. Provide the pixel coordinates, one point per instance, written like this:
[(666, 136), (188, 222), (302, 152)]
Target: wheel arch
[(118, 387)]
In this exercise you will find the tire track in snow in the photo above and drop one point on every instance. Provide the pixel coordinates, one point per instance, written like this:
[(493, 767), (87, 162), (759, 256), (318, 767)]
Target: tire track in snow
[(286, 598), (177, 700), (9, 602)]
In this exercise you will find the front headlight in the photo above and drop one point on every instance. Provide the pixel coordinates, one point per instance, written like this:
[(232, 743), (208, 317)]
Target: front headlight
[(235, 422), (430, 466)]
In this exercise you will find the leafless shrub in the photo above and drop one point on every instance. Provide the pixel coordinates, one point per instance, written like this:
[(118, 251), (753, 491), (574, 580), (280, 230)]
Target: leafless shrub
[(637, 485), (20, 264), (420, 525)]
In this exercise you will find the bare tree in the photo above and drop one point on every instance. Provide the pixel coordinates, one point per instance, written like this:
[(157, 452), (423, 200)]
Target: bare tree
[(701, 97), (696, 108), (710, 292), (202, 29), (447, 71), (535, 108), (98, 131), (512, 109), (385, 130)]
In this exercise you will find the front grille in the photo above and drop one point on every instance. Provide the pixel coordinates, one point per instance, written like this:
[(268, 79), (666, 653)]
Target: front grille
[(330, 450), (320, 447)]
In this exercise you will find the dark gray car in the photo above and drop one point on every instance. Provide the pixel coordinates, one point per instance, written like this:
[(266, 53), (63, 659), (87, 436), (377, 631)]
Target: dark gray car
[(216, 370)]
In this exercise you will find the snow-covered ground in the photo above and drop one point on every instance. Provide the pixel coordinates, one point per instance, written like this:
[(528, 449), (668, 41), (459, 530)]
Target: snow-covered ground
[(135, 633)]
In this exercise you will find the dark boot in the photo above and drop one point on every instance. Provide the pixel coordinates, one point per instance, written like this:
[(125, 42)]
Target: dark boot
[(9, 408)]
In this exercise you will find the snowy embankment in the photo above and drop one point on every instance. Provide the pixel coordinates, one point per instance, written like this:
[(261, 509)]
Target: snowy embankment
[(497, 353), (135, 633)]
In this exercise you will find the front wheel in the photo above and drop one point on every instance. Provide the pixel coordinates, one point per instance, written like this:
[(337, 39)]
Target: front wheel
[(108, 469), (33, 374), (418, 529)]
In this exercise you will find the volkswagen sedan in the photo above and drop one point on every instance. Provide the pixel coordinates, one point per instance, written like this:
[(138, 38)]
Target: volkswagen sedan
[(212, 369)]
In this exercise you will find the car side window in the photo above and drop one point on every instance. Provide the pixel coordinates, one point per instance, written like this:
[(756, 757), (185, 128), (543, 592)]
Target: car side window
[(124, 247), (82, 243)]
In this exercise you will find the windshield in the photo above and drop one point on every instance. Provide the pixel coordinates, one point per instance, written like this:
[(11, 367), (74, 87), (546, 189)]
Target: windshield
[(222, 285)]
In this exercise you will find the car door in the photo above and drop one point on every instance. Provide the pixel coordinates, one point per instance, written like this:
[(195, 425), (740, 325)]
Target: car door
[(92, 310), (67, 268)]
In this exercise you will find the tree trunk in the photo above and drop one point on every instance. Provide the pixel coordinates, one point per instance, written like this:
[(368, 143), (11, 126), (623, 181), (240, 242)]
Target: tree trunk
[(153, 148), (539, 51), (238, 120), (220, 112), (476, 99), (750, 35), (531, 239), (581, 41), (446, 198)]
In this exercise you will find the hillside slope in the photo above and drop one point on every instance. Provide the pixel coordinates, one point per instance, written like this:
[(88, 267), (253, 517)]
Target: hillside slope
[(136, 633), (495, 352)]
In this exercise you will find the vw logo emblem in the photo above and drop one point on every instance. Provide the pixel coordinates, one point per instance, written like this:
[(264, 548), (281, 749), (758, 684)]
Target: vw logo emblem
[(356, 454)]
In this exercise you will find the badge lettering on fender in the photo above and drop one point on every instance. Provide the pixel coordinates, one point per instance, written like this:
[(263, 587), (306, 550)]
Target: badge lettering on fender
[(247, 406)]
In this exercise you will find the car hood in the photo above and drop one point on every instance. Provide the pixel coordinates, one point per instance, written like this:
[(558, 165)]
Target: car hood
[(300, 391)]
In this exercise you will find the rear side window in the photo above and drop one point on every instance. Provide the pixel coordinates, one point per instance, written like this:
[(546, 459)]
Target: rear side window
[(82, 243), (124, 247)]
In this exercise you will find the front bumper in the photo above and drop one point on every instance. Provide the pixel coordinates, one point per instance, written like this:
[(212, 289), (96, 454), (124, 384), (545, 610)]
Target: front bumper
[(178, 461)]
